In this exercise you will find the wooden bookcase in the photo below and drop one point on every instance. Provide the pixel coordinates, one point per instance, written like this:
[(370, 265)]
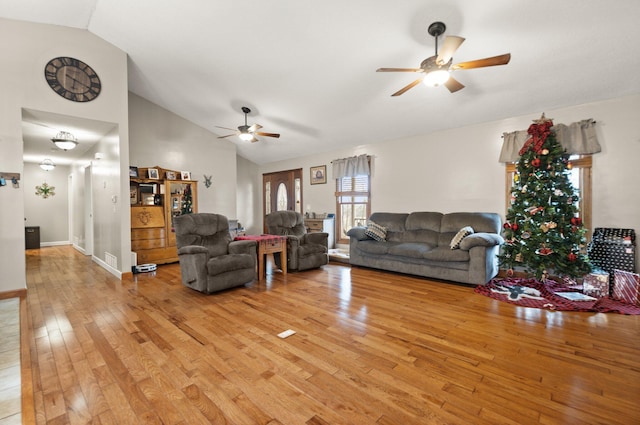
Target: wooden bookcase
[(156, 196)]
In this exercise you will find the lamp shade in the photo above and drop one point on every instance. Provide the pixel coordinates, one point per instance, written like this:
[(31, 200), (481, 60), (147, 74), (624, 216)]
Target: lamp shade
[(65, 140), (47, 165)]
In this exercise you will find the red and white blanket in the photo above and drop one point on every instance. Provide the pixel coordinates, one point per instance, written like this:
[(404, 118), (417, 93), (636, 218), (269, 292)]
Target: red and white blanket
[(532, 293)]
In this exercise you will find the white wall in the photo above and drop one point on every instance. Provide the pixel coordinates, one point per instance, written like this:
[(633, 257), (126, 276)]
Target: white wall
[(458, 170), (28, 47), (105, 176), (52, 213), (249, 195), (162, 138)]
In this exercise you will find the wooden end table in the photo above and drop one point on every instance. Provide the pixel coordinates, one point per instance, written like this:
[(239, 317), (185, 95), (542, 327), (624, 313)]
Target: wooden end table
[(268, 244)]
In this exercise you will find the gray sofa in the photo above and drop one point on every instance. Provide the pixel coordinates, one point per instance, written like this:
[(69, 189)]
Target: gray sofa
[(419, 244)]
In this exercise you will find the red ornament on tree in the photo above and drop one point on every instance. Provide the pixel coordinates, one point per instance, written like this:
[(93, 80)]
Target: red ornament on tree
[(572, 257), (507, 225), (576, 221), (535, 162), (514, 226)]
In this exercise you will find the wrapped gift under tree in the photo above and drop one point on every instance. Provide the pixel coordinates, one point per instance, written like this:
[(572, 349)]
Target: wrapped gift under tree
[(596, 284), (612, 249)]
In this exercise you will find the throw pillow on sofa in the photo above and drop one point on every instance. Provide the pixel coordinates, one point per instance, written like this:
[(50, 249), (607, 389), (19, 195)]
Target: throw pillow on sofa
[(462, 233), (375, 231)]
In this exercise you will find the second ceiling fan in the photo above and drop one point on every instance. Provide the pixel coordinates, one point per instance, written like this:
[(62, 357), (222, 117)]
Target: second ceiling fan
[(248, 132), (437, 69)]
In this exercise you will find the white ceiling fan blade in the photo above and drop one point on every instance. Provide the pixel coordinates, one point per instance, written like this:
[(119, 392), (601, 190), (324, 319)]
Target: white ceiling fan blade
[(449, 47), (226, 128), (254, 128)]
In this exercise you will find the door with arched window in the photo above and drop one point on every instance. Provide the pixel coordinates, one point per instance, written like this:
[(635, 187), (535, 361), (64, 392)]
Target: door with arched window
[(282, 191)]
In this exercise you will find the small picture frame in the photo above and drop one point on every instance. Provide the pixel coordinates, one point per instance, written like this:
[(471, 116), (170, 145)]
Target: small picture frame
[(133, 195), (318, 174), (175, 203), (133, 171), (171, 175), (185, 175), (153, 173)]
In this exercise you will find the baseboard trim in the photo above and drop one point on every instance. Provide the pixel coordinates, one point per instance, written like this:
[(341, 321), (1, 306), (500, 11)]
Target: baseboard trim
[(16, 293)]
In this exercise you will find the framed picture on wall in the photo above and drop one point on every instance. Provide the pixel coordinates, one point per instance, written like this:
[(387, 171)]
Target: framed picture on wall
[(185, 175), (153, 173), (133, 171), (171, 175), (318, 174)]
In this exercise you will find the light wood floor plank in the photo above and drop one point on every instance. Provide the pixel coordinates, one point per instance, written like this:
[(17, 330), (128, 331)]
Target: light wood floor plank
[(370, 348)]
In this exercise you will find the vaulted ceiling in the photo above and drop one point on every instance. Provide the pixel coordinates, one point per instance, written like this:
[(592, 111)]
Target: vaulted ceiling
[(307, 69)]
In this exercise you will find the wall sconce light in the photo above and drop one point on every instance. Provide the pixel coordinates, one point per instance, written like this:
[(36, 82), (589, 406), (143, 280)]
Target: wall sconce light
[(47, 165), (65, 140)]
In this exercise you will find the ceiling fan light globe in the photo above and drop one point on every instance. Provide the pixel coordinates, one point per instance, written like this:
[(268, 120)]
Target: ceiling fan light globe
[(245, 136), (436, 78)]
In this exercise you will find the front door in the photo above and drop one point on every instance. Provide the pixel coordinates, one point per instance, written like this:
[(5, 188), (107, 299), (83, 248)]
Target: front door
[(282, 191)]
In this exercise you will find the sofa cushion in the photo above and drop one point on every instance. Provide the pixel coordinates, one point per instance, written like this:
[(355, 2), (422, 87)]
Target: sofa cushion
[(374, 247), (445, 254), (358, 233), (376, 231), (462, 233), (410, 249), (394, 223)]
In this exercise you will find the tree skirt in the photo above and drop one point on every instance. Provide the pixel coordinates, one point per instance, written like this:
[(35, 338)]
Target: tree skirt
[(532, 293)]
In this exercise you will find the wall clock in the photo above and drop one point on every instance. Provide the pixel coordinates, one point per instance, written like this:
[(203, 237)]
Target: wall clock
[(72, 79)]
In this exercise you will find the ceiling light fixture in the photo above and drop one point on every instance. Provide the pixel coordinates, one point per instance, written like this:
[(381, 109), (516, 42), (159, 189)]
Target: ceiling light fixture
[(47, 165), (65, 140), (436, 78), (244, 132)]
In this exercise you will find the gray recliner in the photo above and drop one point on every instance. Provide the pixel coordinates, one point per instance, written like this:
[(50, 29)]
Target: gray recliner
[(304, 250), (209, 260)]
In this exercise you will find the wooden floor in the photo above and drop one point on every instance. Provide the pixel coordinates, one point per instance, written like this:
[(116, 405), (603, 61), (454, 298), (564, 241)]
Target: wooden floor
[(370, 348), (10, 362)]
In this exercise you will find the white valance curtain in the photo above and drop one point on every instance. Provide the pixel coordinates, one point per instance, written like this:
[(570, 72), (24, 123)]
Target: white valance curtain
[(578, 138), (351, 167)]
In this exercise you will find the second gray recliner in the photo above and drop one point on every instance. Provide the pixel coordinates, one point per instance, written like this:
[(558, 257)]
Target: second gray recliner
[(304, 250)]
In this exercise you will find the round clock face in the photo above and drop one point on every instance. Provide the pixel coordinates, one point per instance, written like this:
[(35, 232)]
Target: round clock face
[(72, 79)]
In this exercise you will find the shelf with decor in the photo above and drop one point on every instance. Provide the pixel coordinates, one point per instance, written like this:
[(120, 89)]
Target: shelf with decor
[(156, 196)]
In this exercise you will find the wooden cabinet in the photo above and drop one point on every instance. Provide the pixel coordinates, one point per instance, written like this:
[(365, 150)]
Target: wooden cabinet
[(154, 203), (325, 225)]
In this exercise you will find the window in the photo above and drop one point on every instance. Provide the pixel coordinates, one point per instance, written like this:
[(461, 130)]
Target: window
[(353, 205), (581, 179)]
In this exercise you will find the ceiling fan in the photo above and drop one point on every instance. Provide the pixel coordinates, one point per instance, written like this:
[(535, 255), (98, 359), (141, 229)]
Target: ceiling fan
[(437, 69), (248, 132)]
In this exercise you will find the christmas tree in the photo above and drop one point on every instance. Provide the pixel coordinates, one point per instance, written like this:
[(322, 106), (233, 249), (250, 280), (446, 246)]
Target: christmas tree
[(543, 229), (187, 201)]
